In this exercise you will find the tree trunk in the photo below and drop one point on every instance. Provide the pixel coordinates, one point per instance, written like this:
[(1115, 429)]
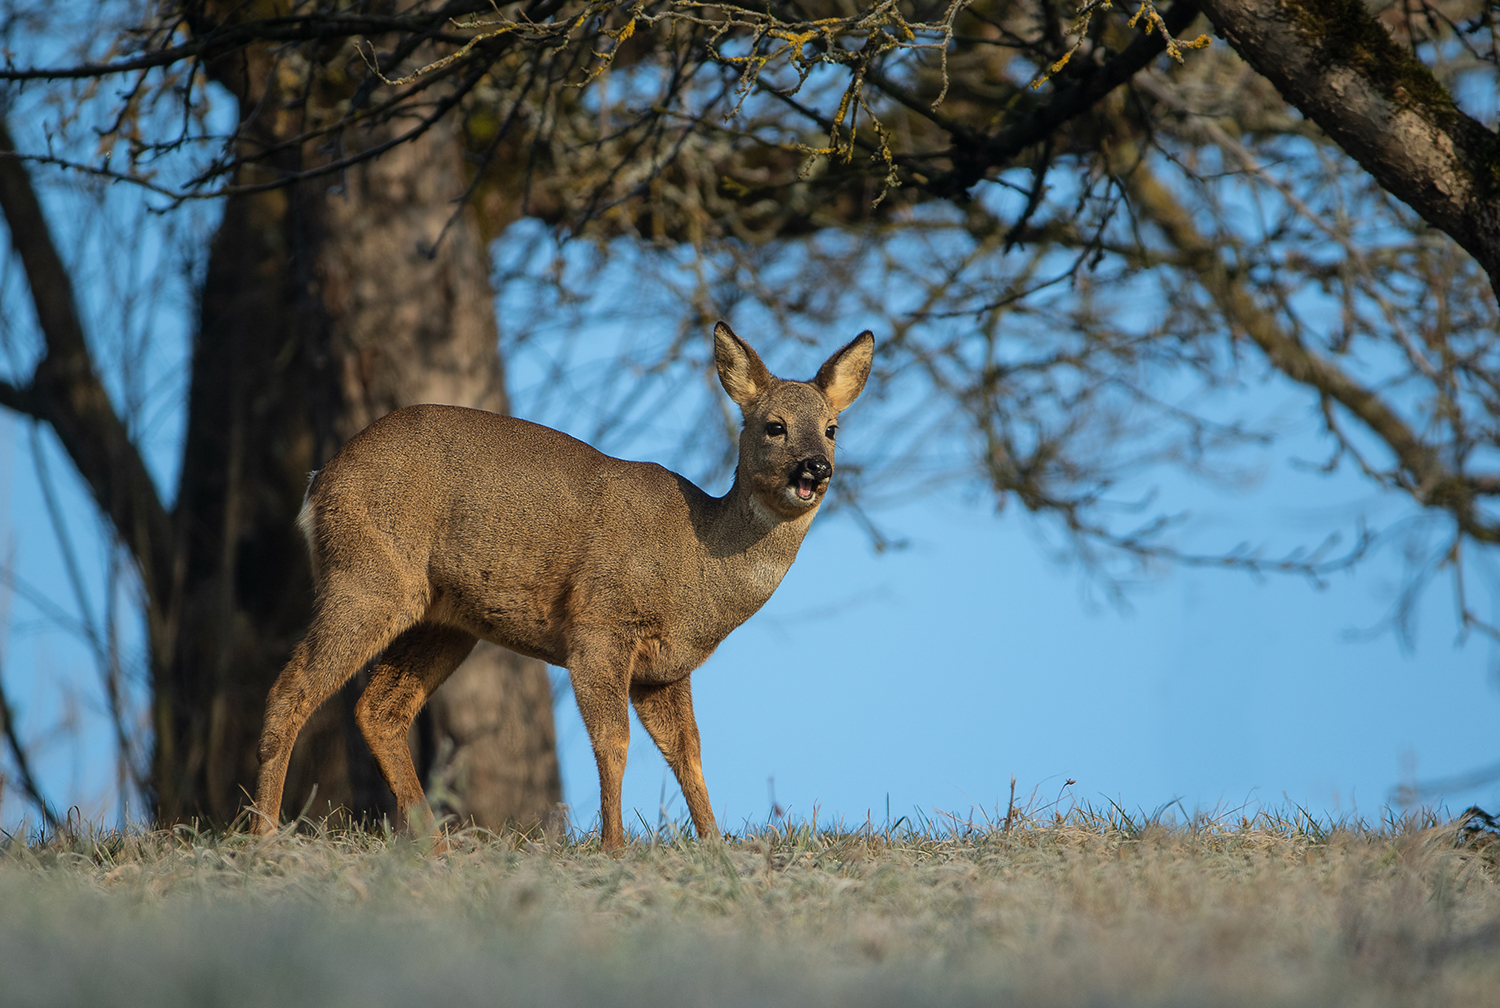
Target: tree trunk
[(404, 287), (326, 305)]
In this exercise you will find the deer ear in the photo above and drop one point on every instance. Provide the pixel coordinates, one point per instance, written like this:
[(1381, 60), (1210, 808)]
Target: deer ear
[(741, 372), (842, 376)]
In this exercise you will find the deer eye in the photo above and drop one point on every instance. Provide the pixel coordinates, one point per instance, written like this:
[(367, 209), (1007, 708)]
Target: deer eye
[(775, 429), (831, 431)]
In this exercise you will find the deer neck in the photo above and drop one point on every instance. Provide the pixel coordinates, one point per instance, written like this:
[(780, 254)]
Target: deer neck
[(751, 546)]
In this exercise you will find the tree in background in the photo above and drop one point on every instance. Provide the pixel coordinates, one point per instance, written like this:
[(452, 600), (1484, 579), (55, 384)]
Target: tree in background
[(1078, 227), (322, 308)]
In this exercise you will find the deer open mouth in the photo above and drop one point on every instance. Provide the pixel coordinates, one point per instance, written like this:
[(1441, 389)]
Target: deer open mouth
[(807, 477)]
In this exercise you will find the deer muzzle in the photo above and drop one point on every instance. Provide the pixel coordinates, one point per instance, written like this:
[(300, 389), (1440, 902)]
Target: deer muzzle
[(811, 475)]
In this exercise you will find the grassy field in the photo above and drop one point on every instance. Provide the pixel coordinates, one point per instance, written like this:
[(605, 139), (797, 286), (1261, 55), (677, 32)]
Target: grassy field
[(1083, 909)]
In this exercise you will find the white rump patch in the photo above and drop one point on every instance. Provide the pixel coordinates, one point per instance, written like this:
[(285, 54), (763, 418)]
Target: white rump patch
[(305, 516)]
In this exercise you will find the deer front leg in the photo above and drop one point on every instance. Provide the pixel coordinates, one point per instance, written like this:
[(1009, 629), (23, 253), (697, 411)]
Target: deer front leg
[(667, 713), (599, 687)]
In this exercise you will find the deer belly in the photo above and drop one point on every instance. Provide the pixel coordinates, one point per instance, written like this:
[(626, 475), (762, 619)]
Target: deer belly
[(517, 620)]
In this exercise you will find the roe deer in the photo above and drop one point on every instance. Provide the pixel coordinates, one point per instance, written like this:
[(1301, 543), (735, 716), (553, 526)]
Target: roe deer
[(438, 525)]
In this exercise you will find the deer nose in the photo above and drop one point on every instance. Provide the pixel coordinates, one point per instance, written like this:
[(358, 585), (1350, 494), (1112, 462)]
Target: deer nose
[(817, 467)]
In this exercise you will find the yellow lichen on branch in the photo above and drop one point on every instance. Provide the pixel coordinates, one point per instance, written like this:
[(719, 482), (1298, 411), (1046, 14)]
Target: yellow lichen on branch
[(1146, 12), (754, 41)]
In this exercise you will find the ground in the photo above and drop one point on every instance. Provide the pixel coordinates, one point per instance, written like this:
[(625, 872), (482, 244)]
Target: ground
[(1084, 909)]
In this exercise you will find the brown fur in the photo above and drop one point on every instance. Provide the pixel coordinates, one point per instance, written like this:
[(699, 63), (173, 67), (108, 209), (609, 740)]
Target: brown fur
[(438, 525)]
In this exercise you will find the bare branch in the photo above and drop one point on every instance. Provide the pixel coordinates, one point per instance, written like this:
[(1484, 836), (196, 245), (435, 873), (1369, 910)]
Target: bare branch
[(1382, 105), (18, 754), (1421, 469), (65, 391), (222, 40)]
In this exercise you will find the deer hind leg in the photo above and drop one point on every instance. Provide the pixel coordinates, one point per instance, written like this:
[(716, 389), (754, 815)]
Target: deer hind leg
[(667, 713), (401, 680), (351, 625)]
